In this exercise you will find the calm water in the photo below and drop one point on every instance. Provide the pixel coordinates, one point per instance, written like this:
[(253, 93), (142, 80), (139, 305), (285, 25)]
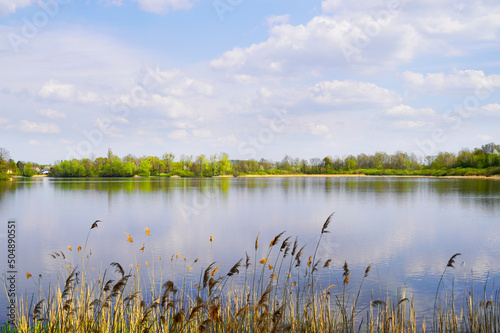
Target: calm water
[(407, 228)]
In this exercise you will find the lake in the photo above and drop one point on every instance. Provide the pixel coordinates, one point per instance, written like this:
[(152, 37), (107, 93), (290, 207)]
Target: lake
[(406, 228)]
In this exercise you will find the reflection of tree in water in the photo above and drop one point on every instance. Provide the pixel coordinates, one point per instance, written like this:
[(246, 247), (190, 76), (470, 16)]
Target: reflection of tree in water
[(142, 185), (470, 192), (7, 186)]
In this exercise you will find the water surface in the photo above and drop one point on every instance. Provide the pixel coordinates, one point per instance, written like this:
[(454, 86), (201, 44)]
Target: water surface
[(406, 228)]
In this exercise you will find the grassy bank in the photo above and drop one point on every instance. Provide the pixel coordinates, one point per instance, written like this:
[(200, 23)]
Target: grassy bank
[(280, 291)]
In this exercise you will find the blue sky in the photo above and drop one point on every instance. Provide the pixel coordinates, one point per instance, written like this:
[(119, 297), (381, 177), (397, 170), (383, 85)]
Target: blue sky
[(254, 79)]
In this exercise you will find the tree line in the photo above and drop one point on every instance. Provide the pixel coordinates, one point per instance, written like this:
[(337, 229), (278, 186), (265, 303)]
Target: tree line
[(479, 161)]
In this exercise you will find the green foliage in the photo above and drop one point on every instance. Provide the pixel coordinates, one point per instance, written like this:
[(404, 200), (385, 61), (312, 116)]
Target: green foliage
[(484, 161), (28, 170), (181, 173)]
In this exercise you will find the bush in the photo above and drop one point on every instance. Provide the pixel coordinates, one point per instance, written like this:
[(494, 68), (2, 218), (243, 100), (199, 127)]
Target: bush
[(181, 173), (492, 171)]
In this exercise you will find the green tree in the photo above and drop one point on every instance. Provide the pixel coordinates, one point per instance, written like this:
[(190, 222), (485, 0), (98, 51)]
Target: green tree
[(168, 160), (224, 165), (144, 168), (4, 157), (28, 170)]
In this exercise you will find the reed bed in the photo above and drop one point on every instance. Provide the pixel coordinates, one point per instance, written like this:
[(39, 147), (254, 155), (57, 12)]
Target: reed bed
[(279, 292)]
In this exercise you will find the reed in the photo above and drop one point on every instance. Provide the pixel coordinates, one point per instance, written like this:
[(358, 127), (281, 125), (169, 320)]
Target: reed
[(276, 293)]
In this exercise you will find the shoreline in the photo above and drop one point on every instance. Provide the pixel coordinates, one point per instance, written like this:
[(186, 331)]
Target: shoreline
[(496, 177)]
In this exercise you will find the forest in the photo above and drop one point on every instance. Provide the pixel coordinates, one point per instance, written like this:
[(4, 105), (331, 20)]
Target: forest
[(483, 161)]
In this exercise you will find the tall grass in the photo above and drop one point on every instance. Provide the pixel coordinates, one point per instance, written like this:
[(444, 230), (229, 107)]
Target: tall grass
[(280, 292)]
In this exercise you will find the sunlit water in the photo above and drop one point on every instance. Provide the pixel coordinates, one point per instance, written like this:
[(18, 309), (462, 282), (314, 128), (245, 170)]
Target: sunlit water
[(406, 228)]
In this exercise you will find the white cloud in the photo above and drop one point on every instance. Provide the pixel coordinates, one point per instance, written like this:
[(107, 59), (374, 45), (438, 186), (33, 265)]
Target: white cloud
[(411, 124), (485, 138), (471, 81), (34, 143), (162, 6), (33, 127), (178, 134), (170, 106), (229, 139), (325, 42), (289, 49), (318, 129), (4, 121), (490, 110), (173, 82), (108, 126), (277, 19), (367, 36), (352, 92), (201, 133), (10, 6), (408, 111), (52, 114), (56, 90), (183, 124), (348, 94)]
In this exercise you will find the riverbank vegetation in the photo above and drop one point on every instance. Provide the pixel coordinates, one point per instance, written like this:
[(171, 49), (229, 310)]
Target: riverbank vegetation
[(484, 161), (280, 287)]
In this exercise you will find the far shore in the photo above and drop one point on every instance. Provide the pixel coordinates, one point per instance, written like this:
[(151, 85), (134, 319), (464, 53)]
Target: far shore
[(496, 177)]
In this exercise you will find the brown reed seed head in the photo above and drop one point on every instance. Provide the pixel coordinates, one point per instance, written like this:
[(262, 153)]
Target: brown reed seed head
[(368, 270), (215, 270), (346, 279), (327, 222), (346, 269), (276, 239), (451, 262), (94, 225)]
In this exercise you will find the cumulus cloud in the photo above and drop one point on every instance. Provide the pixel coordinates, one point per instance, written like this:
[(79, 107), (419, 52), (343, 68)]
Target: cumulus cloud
[(366, 36), (178, 134), (201, 133), (57, 90), (289, 49), (10, 6), (411, 124), (352, 92), (277, 19), (325, 42), (162, 6), (52, 114), (33, 127), (471, 81), (348, 94), (54, 90), (408, 111), (490, 110), (173, 82), (485, 138), (318, 129)]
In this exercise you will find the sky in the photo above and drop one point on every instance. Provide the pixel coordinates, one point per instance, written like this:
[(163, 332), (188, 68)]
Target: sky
[(250, 78)]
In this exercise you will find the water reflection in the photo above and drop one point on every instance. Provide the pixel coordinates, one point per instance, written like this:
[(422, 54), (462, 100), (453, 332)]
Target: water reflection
[(406, 227)]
